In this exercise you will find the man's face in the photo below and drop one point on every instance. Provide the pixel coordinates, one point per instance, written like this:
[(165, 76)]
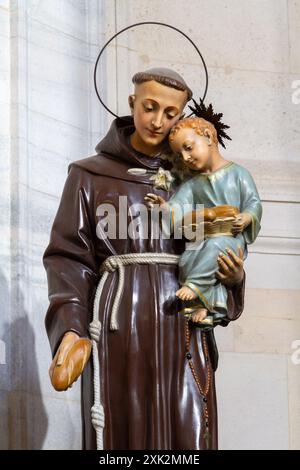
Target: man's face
[(156, 108)]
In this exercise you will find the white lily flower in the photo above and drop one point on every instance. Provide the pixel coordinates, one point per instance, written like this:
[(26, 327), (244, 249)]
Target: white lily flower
[(162, 179)]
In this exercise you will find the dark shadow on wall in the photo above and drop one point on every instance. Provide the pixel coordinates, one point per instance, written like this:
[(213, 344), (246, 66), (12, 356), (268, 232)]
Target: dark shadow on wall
[(21, 397)]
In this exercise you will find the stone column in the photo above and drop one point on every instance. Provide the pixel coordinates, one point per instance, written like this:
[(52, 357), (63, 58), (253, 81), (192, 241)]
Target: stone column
[(49, 117)]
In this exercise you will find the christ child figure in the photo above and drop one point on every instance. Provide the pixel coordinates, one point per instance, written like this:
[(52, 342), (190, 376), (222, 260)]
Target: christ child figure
[(231, 216)]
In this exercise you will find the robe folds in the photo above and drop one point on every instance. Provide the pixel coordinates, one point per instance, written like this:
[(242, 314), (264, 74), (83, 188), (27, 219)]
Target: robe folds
[(150, 397)]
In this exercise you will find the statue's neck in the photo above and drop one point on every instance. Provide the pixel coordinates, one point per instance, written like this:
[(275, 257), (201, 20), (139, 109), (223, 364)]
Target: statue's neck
[(140, 146)]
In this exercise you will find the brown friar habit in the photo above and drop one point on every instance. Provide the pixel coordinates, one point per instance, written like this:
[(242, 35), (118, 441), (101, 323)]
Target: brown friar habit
[(149, 387)]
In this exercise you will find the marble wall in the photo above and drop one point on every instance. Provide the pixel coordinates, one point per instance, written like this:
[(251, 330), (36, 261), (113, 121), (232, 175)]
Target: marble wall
[(252, 53), (50, 116)]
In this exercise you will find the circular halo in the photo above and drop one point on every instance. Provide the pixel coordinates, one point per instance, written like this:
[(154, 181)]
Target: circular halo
[(140, 24)]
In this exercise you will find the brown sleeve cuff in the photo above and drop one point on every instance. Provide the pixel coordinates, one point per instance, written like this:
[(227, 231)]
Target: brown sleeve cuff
[(68, 317), (235, 302)]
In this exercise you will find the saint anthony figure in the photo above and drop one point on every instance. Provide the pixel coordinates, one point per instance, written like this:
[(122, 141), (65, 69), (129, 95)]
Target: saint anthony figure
[(157, 370)]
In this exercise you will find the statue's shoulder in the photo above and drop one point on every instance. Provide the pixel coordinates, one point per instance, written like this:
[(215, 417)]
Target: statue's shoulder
[(241, 171), (106, 165), (99, 164)]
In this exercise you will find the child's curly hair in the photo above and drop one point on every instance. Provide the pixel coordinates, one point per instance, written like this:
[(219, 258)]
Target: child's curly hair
[(198, 124)]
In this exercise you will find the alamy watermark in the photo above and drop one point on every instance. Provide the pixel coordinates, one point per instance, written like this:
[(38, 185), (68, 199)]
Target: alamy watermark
[(295, 358), (136, 221), (296, 92), (2, 352)]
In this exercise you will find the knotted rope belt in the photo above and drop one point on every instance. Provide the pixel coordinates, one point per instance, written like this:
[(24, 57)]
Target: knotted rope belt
[(111, 264)]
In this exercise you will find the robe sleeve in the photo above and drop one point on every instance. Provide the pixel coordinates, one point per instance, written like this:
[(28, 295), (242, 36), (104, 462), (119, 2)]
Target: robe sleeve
[(250, 203), (70, 263), (235, 307), (235, 301)]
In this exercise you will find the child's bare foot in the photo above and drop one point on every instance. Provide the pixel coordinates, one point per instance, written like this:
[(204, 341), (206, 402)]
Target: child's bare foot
[(199, 315), (185, 293)]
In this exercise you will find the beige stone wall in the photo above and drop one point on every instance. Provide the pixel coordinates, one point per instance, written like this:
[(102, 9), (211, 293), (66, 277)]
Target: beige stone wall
[(50, 116), (252, 52)]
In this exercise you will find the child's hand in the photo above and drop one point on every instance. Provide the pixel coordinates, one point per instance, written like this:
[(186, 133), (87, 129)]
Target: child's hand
[(154, 199), (241, 221)]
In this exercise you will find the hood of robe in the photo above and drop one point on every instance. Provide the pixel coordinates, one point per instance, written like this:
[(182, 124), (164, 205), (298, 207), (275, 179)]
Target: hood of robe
[(116, 144)]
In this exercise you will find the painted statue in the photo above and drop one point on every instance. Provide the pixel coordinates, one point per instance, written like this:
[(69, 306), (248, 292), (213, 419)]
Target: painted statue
[(156, 368), (231, 216)]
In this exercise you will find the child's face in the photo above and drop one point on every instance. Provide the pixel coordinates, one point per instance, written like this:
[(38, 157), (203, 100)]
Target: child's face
[(194, 148)]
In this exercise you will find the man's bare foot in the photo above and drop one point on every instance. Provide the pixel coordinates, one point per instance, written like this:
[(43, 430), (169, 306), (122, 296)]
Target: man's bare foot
[(185, 293), (199, 315)]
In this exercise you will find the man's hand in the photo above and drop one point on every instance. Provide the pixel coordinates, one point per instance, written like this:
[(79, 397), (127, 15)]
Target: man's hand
[(69, 360), (241, 222), (231, 270)]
